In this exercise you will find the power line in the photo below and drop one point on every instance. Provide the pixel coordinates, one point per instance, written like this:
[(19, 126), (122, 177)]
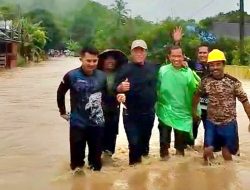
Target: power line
[(242, 31), (201, 9)]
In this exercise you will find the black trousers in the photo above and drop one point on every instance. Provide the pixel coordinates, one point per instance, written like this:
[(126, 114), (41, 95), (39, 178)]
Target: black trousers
[(78, 139), (196, 126), (165, 137), (138, 128), (110, 130)]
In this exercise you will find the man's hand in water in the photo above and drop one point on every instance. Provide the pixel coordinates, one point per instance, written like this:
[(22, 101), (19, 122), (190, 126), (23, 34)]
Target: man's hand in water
[(65, 116), (124, 86), (121, 98)]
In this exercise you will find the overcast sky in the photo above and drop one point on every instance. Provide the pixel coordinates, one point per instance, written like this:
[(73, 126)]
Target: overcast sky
[(157, 10)]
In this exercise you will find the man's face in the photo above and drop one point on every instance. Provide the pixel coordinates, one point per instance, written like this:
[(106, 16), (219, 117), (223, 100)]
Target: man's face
[(109, 64), (217, 69), (138, 55), (176, 57), (202, 54), (89, 62)]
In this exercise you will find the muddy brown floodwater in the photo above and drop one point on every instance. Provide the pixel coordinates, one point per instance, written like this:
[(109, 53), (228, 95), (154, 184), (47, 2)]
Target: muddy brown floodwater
[(34, 148)]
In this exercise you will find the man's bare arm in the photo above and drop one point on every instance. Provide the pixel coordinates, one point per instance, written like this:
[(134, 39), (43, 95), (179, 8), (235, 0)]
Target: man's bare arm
[(195, 102)]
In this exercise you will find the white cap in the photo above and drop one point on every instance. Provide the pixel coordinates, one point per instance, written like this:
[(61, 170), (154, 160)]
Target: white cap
[(139, 43)]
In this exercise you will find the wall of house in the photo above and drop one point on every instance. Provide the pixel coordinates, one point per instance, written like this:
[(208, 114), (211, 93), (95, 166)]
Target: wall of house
[(231, 30), (240, 72), (11, 55)]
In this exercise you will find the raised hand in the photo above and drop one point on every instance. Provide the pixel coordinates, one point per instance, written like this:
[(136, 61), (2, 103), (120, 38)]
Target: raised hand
[(177, 34)]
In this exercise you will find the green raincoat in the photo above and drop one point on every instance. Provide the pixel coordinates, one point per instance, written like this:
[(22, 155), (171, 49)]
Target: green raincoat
[(175, 90)]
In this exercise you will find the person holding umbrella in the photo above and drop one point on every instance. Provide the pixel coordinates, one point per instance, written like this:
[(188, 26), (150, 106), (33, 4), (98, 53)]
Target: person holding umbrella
[(109, 61)]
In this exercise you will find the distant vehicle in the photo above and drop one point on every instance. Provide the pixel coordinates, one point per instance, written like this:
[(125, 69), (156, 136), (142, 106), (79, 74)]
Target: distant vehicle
[(68, 53), (55, 53)]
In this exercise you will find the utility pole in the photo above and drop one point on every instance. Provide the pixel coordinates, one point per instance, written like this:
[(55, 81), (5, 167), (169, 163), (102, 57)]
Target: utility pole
[(242, 31)]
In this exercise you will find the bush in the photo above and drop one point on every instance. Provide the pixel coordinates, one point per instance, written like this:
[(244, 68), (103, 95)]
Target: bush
[(21, 61)]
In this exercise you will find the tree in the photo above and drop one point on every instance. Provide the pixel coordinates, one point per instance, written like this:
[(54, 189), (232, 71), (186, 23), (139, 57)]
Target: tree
[(233, 16), (8, 12), (159, 38), (236, 54), (119, 7), (33, 39), (226, 45), (73, 46), (49, 24)]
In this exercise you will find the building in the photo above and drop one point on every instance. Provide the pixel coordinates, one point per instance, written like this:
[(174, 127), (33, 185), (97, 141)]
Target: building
[(230, 30), (8, 45)]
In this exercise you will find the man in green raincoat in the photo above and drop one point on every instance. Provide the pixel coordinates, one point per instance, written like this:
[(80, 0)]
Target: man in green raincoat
[(175, 90)]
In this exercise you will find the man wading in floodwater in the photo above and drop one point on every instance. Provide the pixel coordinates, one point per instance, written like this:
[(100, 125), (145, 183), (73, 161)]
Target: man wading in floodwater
[(221, 129), (110, 61), (86, 85), (201, 68), (138, 81), (175, 89)]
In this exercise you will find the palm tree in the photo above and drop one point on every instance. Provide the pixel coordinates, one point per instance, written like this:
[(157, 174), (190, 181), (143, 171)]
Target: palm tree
[(33, 39)]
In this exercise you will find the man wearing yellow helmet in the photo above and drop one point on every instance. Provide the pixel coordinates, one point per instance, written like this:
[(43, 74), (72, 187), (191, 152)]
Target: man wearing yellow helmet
[(221, 130)]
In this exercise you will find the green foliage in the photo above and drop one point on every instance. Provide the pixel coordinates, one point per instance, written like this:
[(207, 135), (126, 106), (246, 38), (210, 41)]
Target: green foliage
[(122, 36), (86, 21), (160, 37), (229, 46), (33, 39), (206, 23), (73, 46), (119, 7), (39, 38), (233, 16), (49, 24), (20, 61), (226, 45), (60, 24), (236, 54), (8, 12)]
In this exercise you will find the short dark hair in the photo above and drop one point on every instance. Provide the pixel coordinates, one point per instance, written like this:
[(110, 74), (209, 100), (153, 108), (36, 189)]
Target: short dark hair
[(90, 50), (173, 47), (204, 45)]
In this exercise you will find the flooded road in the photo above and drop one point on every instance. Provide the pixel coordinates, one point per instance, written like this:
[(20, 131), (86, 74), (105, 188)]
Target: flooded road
[(34, 148)]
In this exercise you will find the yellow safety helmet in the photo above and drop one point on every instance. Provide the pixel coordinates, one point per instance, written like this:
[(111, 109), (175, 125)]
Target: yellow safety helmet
[(216, 55)]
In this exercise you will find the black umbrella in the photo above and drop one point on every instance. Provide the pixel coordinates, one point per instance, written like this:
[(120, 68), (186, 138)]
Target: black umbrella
[(117, 54)]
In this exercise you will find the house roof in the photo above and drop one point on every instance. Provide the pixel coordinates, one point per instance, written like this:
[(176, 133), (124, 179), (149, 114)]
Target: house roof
[(6, 38), (232, 30)]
